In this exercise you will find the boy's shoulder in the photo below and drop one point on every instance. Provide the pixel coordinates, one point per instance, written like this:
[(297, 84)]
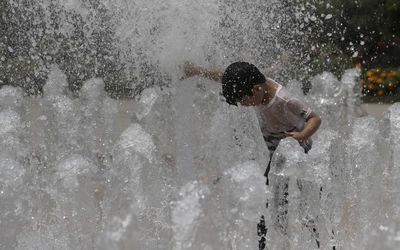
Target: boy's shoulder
[(288, 96), (283, 93)]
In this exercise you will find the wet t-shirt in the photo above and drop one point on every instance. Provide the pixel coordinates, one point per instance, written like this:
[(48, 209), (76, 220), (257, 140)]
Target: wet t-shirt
[(283, 113)]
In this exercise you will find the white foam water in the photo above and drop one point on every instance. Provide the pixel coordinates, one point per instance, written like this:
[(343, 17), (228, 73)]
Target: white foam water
[(187, 171)]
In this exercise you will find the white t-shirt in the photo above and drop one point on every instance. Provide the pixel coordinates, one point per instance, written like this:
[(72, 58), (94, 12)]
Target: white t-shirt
[(283, 113)]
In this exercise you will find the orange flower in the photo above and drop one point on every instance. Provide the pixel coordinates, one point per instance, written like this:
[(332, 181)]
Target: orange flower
[(391, 85), (370, 86), (383, 75), (372, 78), (358, 66), (379, 80), (362, 81), (378, 70), (393, 73), (381, 92), (369, 73)]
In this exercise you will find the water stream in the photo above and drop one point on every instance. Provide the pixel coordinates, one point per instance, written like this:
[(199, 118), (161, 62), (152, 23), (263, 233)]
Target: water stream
[(179, 168)]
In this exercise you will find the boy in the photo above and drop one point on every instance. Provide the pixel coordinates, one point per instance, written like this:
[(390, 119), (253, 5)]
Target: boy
[(279, 114)]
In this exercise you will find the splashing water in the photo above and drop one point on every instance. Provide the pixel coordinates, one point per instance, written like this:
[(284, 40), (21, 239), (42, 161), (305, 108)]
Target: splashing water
[(179, 168)]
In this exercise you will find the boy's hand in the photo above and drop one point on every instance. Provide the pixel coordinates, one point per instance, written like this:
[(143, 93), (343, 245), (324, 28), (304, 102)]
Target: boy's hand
[(285, 58), (313, 122), (189, 70), (297, 136)]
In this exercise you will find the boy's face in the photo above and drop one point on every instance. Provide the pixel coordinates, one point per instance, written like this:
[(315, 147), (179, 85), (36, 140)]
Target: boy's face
[(255, 99)]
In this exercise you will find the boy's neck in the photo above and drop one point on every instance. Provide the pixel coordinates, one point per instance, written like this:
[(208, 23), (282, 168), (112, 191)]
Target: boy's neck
[(270, 88)]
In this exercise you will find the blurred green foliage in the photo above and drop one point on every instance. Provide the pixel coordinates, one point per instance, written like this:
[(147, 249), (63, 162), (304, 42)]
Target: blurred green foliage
[(334, 35)]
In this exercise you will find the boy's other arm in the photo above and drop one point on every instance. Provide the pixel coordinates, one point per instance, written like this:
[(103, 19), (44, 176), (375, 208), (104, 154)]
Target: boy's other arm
[(312, 124), (189, 70), (271, 71)]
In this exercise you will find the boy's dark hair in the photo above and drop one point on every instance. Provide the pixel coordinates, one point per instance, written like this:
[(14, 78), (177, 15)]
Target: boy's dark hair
[(238, 81)]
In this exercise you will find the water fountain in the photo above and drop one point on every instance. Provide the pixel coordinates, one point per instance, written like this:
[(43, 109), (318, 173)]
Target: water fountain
[(187, 170)]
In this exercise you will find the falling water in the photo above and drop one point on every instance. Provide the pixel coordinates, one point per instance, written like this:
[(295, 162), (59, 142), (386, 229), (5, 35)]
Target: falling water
[(177, 168)]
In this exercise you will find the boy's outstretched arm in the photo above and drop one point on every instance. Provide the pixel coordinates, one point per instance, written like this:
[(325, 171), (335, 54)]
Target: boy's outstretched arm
[(312, 124), (189, 70)]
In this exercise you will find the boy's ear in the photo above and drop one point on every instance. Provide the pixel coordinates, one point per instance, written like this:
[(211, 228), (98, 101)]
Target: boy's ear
[(257, 87)]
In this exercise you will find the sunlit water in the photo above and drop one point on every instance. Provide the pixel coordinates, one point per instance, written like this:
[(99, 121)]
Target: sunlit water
[(186, 171)]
